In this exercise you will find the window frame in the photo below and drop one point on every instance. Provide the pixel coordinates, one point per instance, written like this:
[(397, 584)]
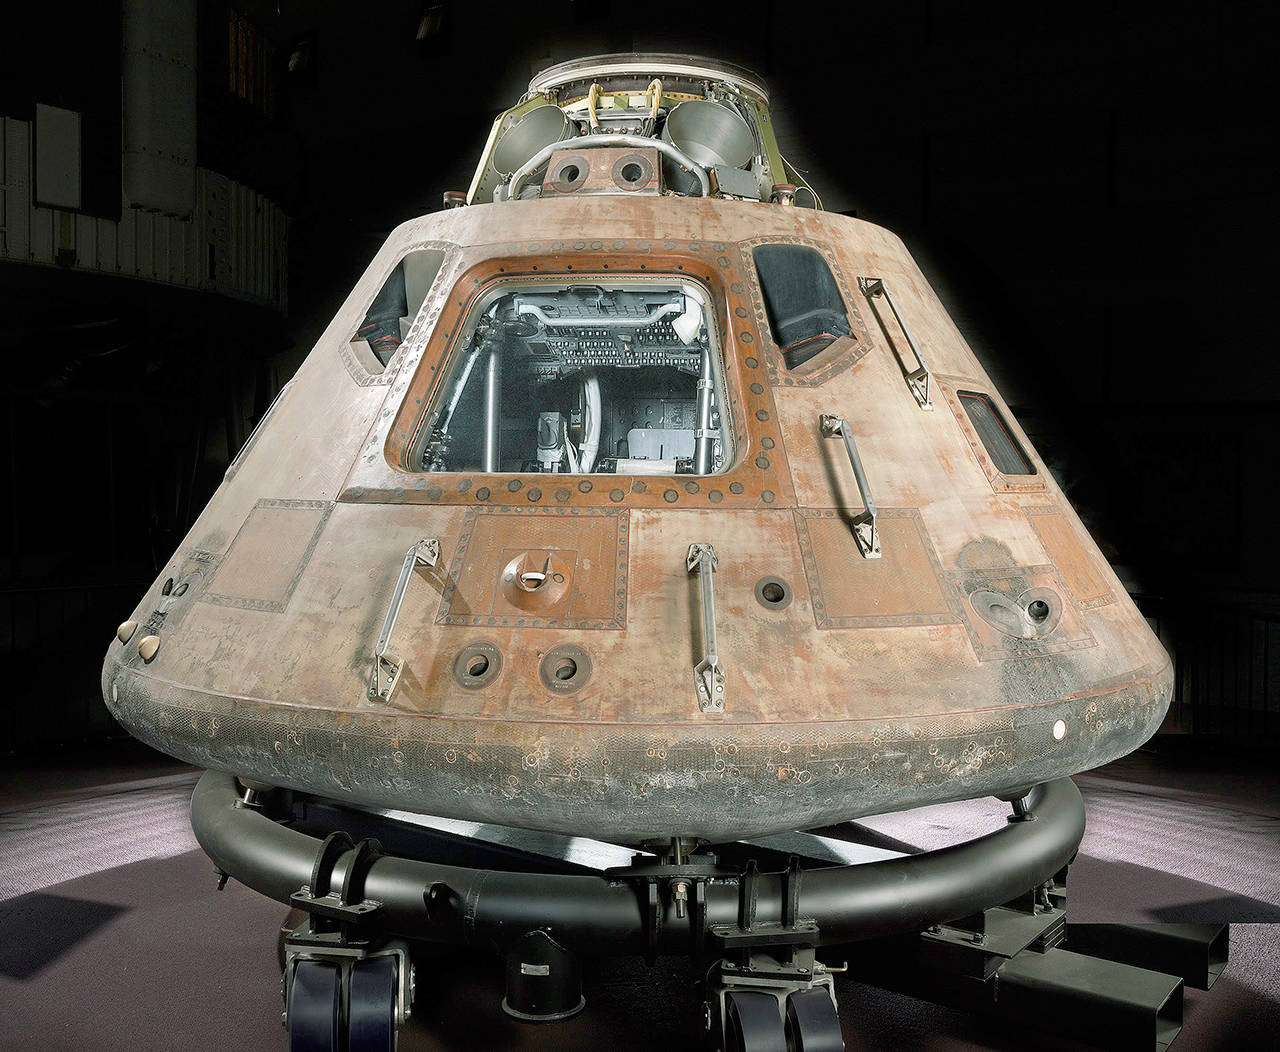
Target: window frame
[(785, 352), (362, 361), (759, 477), (951, 386), (452, 357)]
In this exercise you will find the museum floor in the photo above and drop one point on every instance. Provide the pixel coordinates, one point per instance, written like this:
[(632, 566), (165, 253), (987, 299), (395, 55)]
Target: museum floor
[(112, 935)]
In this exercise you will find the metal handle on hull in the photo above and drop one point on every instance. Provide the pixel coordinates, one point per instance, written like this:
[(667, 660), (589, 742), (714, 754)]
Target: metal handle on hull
[(386, 669), (708, 674), (864, 525), (919, 380)]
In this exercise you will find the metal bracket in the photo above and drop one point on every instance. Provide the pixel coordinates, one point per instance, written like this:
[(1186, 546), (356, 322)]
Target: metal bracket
[(791, 930), (334, 930), (386, 668), (327, 905), (864, 525), (685, 878), (708, 674), (770, 957), (919, 380)]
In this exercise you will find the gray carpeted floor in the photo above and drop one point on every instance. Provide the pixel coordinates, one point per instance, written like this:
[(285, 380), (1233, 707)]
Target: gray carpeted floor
[(43, 846), (112, 935)]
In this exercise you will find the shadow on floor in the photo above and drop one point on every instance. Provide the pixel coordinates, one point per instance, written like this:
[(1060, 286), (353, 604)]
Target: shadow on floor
[(38, 928), (1125, 892)]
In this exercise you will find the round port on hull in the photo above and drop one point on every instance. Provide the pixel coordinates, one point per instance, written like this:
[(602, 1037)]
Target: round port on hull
[(477, 665), (773, 593), (633, 172), (568, 174), (564, 669)]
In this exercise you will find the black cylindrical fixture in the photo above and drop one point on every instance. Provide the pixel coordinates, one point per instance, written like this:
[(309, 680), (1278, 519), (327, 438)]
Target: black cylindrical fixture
[(544, 980)]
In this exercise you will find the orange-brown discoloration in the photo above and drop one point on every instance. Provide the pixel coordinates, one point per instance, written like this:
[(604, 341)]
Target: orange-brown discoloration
[(875, 686)]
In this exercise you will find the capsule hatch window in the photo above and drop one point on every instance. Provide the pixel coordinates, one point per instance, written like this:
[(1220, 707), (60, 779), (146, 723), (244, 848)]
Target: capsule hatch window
[(604, 376)]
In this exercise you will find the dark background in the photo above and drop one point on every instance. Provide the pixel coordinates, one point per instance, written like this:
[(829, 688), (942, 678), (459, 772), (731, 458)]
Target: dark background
[(1091, 187)]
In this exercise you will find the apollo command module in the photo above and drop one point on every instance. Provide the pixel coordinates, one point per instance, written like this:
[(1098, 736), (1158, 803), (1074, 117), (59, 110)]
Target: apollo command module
[(629, 497)]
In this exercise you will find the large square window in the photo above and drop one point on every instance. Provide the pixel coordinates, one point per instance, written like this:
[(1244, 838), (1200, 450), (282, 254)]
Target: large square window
[(604, 375)]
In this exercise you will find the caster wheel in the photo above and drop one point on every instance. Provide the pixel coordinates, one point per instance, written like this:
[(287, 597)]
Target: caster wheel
[(315, 1007), (813, 1025), (372, 1012), (292, 920), (752, 1023)]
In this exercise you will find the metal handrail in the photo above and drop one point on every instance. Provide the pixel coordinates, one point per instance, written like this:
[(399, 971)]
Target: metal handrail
[(584, 142), (386, 670), (708, 674), (615, 321), (919, 380), (864, 525)]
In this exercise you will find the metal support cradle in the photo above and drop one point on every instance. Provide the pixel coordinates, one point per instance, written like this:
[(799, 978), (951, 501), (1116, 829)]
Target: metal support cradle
[(603, 913), (979, 925)]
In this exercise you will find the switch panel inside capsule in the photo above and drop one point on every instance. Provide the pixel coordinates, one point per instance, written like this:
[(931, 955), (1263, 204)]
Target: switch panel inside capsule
[(594, 377)]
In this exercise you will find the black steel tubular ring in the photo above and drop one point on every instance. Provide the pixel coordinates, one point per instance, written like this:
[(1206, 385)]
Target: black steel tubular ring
[(600, 914)]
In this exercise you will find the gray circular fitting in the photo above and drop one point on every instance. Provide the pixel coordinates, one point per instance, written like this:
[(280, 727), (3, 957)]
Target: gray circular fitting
[(565, 668), (773, 593), (477, 665)]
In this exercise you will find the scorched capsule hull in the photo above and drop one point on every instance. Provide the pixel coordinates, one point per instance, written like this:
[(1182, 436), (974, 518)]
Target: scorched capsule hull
[(853, 685)]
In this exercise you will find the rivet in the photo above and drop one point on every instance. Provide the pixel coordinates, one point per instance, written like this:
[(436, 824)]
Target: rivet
[(148, 646), (126, 630)]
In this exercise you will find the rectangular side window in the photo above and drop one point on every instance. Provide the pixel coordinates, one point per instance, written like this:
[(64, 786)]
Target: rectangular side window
[(387, 321), (1005, 451), (608, 375), (802, 299)]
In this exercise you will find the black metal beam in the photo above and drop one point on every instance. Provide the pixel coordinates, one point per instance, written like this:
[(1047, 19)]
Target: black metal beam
[(1197, 952)]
